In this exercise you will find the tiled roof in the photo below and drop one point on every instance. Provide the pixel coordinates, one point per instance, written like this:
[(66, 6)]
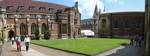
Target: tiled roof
[(27, 3)]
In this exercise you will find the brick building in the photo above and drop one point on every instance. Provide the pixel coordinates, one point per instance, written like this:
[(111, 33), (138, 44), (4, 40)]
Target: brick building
[(25, 17), (106, 24), (121, 24)]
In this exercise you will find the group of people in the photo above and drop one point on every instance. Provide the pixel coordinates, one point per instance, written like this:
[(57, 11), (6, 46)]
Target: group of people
[(137, 41), (20, 41)]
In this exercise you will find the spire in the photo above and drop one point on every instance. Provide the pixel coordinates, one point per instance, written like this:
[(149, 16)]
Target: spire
[(95, 11)]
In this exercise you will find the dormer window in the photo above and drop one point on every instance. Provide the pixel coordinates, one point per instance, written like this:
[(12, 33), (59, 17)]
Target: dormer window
[(42, 8), (59, 10), (51, 10), (20, 7), (32, 8), (9, 7)]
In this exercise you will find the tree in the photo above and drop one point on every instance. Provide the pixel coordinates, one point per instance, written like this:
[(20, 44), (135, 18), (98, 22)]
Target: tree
[(47, 34), (37, 33)]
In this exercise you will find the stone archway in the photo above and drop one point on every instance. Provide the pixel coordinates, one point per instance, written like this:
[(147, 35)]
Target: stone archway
[(11, 34)]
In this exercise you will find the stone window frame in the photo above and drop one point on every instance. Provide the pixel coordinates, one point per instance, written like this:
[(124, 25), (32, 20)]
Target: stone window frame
[(127, 21), (32, 8), (51, 10), (42, 8), (114, 22), (20, 7), (9, 7), (64, 28), (138, 22)]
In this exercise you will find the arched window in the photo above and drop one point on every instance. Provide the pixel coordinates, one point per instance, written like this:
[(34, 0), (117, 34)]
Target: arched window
[(103, 23), (44, 28), (127, 23), (34, 28), (23, 29), (116, 23)]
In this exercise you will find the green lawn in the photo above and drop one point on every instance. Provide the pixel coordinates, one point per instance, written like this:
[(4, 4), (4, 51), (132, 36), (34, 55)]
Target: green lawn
[(84, 46)]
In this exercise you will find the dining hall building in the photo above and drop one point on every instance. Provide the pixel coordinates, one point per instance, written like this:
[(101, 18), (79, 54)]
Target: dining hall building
[(26, 17)]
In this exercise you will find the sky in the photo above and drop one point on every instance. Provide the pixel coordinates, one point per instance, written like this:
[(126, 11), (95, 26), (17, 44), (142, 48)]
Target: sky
[(86, 7)]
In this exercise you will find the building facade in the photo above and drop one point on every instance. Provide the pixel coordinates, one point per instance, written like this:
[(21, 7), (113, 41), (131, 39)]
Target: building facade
[(87, 24), (121, 24), (26, 17)]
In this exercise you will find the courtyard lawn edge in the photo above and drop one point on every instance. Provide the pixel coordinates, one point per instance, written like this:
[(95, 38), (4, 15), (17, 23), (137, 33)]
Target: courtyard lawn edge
[(80, 52), (62, 49)]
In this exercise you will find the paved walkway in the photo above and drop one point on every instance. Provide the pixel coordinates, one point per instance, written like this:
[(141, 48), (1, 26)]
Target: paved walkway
[(35, 50), (7, 50), (123, 51), (52, 52)]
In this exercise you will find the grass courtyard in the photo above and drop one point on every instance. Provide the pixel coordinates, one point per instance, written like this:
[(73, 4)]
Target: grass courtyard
[(84, 46)]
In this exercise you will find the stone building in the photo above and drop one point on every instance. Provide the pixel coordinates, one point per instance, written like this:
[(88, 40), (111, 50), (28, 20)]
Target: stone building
[(26, 17)]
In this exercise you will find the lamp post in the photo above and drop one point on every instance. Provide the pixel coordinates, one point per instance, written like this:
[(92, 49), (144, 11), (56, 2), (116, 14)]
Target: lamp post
[(38, 25), (15, 20), (3, 11), (27, 20), (49, 22)]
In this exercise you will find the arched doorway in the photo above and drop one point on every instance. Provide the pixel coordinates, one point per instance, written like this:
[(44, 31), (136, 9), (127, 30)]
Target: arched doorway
[(23, 29), (11, 34), (34, 31), (44, 28)]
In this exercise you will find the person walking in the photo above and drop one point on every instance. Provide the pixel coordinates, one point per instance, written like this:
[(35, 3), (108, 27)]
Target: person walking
[(12, 40), (132, 41), (18, 42), (27, 42)]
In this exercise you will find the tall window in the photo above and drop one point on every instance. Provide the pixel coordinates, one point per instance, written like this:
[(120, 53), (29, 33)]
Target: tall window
[(75, 21), (127, 23), (103, 23), (64, 29), (138, 23), (116, 23), (23, 29), (44, 28)]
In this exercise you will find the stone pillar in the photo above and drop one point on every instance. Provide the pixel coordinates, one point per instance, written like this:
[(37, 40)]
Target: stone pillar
[(40, 30), (29, 29), (17, 29)]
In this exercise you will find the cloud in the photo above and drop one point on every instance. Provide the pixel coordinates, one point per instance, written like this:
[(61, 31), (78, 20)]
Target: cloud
[(117, 1), (86, 7)]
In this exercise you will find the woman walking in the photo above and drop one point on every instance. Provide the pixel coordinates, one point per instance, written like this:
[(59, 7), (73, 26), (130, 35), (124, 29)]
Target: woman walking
[(27, 42), (18, 42)]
